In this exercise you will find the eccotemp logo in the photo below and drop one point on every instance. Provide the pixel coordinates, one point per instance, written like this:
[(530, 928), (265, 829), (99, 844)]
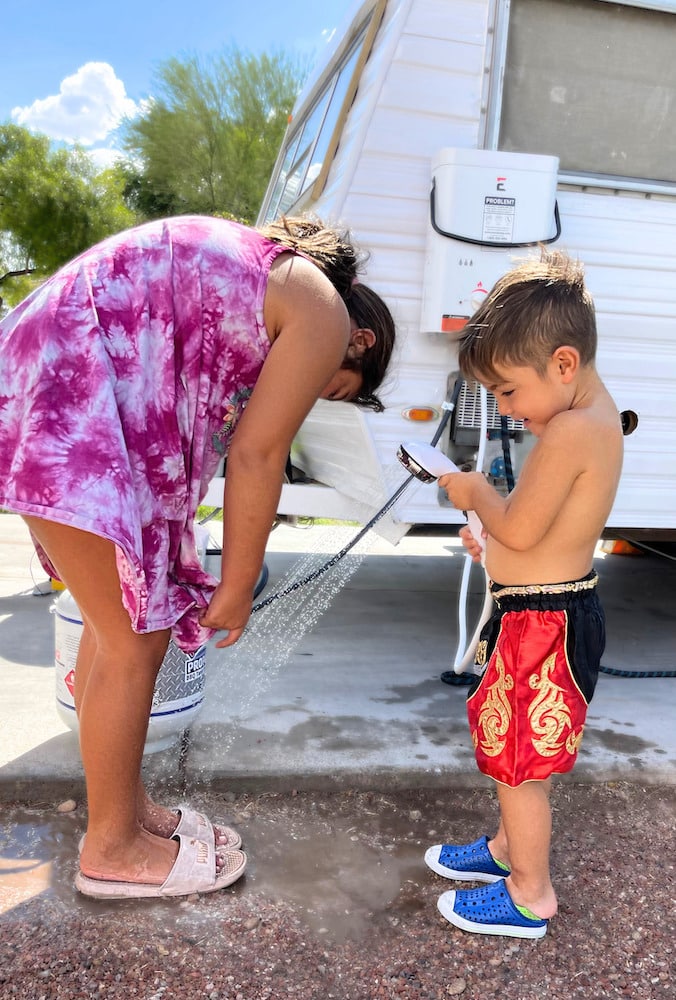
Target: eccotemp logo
[(500, 184)]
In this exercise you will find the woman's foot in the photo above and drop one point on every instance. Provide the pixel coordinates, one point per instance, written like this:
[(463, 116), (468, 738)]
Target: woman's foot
[(142, 858), (145, 866), (165, 823)]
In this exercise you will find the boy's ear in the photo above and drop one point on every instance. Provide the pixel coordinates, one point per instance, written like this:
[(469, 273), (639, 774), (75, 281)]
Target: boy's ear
[(567, 361)]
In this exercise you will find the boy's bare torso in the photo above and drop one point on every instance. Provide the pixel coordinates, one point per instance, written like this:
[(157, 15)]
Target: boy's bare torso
[(575, 468)]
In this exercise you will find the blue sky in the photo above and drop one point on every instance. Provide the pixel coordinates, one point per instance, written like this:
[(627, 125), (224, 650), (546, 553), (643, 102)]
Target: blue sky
[(71, 69)]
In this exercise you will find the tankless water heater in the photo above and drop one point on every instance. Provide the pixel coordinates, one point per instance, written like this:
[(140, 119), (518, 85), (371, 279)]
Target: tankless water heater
[(486, 209)]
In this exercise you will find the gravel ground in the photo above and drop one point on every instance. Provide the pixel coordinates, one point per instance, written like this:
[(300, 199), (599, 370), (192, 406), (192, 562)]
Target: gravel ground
[(337, 903)]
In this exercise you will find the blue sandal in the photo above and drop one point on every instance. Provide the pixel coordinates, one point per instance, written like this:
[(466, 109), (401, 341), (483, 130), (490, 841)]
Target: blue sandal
[(466, 862), (489, 910)]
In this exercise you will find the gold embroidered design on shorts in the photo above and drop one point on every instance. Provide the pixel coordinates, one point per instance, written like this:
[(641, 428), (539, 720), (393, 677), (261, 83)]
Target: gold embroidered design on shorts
[(574, 740), (548, 713), (481, 654), (495, 714)]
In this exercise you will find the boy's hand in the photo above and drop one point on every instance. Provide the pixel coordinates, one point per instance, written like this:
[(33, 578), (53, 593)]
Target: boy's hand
[(474, 547), (462, 488)]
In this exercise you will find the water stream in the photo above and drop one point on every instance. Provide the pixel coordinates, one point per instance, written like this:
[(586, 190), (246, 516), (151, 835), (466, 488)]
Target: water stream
[(276, 630)]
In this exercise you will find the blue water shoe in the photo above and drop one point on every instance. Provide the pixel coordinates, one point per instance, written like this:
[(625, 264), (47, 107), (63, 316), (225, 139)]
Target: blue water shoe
[(490, 910), (465, 862)]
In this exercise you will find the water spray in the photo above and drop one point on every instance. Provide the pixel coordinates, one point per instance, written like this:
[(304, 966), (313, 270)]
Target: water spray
[(424, 463), (427, 464)]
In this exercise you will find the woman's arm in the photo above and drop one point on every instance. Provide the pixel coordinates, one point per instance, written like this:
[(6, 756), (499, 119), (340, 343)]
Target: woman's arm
[(311, 330)]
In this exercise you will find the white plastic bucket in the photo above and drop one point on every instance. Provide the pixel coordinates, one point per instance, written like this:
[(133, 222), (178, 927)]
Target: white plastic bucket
[(179, 689)]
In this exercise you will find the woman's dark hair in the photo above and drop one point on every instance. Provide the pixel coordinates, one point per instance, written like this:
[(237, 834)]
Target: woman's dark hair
[(336, 256), (332, 251), (369, 312)]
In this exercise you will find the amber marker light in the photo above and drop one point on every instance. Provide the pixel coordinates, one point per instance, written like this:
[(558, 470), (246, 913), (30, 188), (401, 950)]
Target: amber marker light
[(420, 414)]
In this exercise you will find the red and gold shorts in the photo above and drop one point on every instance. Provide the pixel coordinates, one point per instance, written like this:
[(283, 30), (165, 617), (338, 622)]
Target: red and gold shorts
[(541, 650)]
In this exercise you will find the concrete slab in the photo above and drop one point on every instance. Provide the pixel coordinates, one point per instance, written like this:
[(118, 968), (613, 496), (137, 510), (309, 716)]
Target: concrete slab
[(339, 683)]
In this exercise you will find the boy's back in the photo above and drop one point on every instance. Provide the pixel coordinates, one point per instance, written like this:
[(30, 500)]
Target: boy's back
[(564, 494)]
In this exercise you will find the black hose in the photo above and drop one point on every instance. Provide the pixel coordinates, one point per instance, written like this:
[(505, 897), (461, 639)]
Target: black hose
[(457, 680), (616, 672), (506, 453), (338, 556)]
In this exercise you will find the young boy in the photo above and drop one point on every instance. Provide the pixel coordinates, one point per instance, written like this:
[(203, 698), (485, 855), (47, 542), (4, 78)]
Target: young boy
[(532, 343)]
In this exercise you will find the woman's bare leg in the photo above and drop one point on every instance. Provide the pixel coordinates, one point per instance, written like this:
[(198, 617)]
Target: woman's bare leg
[(115, 698), (152, 817)]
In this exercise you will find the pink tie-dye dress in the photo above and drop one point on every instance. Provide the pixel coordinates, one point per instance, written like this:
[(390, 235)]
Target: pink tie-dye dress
[(121, 381)]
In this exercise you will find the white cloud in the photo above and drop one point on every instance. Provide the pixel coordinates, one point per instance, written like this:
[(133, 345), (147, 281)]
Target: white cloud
[(104, 157), (88, 107)]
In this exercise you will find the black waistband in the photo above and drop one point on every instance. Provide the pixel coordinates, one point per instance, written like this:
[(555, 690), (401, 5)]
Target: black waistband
[(540, 595)]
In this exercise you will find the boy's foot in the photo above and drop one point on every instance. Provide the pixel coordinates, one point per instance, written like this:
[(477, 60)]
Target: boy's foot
[(466, 862), (490, 910)]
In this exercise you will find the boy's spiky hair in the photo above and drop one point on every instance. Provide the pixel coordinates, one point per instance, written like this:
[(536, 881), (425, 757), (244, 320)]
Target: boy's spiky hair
[(539, 306)]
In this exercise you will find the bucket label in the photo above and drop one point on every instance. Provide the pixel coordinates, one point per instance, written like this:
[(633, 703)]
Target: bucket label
[(194, 665), (181, 675), (498, 223)]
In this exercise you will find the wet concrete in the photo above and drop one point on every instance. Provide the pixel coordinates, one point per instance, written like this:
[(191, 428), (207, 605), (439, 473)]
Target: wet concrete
[(356, 700)]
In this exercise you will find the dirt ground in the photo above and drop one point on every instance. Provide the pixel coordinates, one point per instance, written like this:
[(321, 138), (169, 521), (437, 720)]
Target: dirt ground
[(337, 903)]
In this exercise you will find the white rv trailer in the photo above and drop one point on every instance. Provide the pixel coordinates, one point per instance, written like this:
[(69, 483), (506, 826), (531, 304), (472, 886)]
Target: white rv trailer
[(415, 98)]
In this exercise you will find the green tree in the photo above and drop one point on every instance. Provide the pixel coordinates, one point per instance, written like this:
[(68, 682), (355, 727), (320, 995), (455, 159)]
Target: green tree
[(53, 205), (208, 140)]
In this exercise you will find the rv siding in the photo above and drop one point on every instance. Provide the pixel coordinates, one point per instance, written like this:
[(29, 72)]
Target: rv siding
[(626, 243), (422, 90), (429, 97)]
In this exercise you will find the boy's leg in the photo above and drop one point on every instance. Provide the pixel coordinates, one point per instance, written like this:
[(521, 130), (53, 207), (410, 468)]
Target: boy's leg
[(115, 697), (499, 845), (526, 819)]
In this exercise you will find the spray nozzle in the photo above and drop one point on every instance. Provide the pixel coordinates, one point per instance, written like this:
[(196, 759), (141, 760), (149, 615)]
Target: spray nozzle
[(424, 461)]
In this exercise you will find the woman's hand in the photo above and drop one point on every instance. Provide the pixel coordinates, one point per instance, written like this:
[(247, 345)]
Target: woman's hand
[(227, 611)]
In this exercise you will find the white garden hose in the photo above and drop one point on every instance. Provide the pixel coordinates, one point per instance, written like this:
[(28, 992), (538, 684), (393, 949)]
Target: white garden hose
[(465, 651)]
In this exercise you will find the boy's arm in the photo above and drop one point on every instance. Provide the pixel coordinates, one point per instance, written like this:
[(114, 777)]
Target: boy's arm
[(522, 519)]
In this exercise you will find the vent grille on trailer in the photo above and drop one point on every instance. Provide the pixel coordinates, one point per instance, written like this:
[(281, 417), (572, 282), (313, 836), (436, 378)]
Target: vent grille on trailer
[(468, 411)]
